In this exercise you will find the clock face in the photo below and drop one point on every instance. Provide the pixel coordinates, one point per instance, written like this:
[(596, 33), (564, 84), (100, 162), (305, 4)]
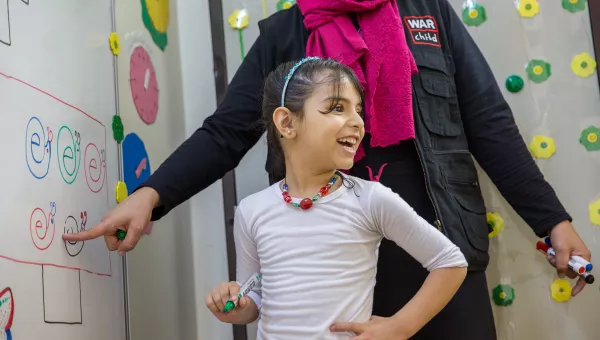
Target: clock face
[(144, 87)]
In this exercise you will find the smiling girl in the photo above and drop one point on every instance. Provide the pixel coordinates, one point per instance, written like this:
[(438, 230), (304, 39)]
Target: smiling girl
[(314, 236)]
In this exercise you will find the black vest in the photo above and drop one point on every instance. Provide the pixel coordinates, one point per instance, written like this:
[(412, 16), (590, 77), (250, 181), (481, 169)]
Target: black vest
[(450, 173)]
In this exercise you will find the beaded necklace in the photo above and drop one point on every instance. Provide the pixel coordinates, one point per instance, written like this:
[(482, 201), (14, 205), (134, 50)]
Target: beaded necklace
[(307, 203)]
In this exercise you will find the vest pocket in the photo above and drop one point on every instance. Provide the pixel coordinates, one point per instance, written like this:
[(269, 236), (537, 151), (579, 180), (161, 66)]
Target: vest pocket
[(438, 103), (471, 210)]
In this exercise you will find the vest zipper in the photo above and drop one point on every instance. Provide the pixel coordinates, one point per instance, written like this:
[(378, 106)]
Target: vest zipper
[(438, 221)]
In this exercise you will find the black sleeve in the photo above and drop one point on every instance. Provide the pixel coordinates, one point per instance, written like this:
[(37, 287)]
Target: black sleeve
[(220, 144), (493, 136)]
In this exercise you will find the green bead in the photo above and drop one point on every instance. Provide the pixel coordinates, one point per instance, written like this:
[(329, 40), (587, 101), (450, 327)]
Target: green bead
[(503, 295), (474, 15), (538, 70), (514, 83), (296, 204), (544, 145), (574, 6)]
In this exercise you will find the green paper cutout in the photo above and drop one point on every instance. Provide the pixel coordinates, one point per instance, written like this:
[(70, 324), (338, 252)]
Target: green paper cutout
[(474, 15), (241, 38), (574, 6), (590, 138), (514, 83), (503, 295), (538, 70), (117, 126), (160, 39), (285, 4)]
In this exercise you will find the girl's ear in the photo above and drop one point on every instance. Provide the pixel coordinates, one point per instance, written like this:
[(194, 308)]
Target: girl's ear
[(284, 121)]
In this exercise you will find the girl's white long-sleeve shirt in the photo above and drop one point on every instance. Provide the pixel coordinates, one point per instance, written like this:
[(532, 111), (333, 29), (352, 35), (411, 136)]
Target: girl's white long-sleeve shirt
[(318, 266)]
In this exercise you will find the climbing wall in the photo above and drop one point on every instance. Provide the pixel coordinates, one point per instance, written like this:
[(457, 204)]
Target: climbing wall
[(542, 55)]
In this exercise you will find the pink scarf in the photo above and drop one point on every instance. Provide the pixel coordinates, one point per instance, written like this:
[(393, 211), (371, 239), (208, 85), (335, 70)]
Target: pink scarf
[(386, 66)]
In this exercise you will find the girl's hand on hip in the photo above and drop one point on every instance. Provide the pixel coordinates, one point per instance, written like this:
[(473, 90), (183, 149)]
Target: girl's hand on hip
[(377, 328)]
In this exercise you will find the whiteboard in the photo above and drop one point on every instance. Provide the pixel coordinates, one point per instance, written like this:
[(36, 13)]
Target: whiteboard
[(60, 166)]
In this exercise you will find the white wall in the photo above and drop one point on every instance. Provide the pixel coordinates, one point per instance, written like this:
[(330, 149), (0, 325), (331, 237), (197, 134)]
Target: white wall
[(560, 108), (173, 268)]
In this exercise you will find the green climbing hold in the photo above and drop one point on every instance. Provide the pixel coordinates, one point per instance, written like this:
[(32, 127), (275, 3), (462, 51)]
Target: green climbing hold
[(474, 15), (574, 6), (285, 4), (514, 83), (590, 138), (538, 70), (503, 295), (117, 126)]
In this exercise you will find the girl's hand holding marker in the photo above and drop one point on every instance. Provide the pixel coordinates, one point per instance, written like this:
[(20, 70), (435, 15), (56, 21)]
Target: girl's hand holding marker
[(229, 303)]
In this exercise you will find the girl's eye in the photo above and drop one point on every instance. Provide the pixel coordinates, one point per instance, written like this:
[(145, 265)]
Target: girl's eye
[(338, 108)]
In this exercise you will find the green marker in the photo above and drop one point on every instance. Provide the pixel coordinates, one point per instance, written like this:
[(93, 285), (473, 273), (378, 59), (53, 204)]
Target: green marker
[(121, 234), (244, 290)]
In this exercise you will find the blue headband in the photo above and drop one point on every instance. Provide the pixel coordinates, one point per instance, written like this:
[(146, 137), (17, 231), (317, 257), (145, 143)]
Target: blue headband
[(289, 76)]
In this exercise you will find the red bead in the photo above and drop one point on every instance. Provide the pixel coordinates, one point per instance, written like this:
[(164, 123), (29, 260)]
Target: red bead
[(328, 186), (324, 191), (287, 199), (306, 204)]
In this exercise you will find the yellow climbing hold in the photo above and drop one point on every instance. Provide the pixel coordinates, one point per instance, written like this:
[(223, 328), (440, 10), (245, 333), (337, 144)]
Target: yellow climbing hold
[(528, 8), (595, 212), (158, 10), (121, 191), (583, 65), (115, 43), (542, 147), (560, 290), (496, 224), (238, 19)]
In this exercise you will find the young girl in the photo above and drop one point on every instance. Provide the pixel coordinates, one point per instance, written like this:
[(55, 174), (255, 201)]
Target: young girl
[(314, 236)]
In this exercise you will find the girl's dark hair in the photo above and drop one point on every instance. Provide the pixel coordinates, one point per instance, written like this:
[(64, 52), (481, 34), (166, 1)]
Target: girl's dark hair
[(310, 75)]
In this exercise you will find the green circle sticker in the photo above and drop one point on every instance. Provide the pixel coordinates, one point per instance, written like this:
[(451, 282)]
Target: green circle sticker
[(474, 15), (514, 83)]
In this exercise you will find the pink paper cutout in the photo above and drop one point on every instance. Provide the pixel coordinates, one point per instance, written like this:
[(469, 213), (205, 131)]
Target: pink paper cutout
[(141, 167), (144, 86)]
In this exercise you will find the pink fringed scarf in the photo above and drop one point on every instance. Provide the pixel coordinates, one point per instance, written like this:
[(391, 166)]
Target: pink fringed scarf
[(387, 63)]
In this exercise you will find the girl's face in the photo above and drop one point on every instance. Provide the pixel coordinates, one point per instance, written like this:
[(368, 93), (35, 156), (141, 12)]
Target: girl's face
[(329, 141)]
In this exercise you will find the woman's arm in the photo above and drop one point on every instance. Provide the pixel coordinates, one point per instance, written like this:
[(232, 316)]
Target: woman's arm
[(220, 143)]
